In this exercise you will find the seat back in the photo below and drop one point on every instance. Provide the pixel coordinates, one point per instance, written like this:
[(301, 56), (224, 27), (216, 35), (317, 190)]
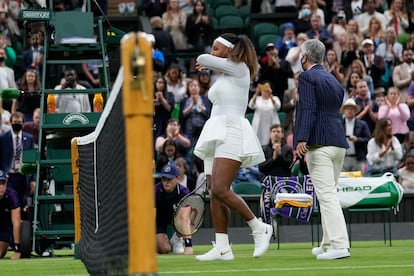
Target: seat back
[(247, 188)]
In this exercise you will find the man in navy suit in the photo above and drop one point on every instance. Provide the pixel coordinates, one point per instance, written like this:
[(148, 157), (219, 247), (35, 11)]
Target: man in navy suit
[(319, 136), (12, 145)]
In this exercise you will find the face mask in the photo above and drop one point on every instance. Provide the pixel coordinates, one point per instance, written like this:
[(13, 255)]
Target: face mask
[(17, 127), (303, 63), (306, 12), (2, 59)]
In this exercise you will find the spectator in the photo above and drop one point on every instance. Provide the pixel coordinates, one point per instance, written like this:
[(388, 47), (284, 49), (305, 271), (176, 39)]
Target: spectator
[(357, 134), (338, 25), (163, 40), (168, 155), (277, 72), (303, 24), (351, 86), (288, 41), (379, 96), (353, 28), (76, 102), (32, 127), (406, 173), (6, 81), (265, 107), (358, 67), (397, 17), (369, 108), (315, 10), (384, 150), (289, 104), (293, 54), (410, 103), (408, 144), (402, 74), (195, 110), (319, 32), (391, 52), (366, 18), (163, 105), (158, 60), (204, 78), (175, 82), (174, 20), (173, 133), (333, 66), (350, 50), (397, 112), (198, 27), (248, 174), (279, 155), (373, 63), (32, 57), (10, 219), (375, 32), (30, 95), (184, 177), (3, 127)]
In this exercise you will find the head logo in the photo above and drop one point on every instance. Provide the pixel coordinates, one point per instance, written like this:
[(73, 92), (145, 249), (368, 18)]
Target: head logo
[(75, 117)]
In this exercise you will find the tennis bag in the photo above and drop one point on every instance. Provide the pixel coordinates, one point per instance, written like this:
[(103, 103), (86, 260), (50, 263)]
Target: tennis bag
[(368, 192), (294, 197)]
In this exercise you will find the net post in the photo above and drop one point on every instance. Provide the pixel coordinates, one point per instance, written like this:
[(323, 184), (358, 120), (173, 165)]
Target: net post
[(136, 54), (76, 201)]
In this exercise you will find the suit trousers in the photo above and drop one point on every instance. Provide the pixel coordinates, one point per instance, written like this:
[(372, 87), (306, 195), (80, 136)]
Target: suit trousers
[(325, 164)]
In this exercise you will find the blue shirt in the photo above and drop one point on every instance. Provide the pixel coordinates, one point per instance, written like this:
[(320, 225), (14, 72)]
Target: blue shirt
[(8, 203), (165, 202)]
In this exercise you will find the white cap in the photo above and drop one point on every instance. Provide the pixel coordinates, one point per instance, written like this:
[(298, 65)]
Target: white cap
[(367, 41)]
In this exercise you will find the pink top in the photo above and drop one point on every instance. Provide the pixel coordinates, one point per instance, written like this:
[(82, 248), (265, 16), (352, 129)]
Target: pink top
[(398, 115)]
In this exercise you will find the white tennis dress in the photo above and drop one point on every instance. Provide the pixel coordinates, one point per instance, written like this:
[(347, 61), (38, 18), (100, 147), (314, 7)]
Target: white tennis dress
[(228, 133)]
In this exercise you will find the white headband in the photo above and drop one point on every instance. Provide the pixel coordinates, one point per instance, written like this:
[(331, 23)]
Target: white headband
[(225, 42)]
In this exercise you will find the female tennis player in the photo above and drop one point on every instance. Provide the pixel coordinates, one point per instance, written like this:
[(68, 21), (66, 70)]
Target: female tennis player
[(228, 142)]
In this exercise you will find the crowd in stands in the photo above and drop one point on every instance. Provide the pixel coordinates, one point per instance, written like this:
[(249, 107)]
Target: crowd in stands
[(369, 46), (369, 51)]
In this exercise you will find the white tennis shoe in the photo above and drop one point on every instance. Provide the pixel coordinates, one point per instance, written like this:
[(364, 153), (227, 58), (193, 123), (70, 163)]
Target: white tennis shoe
[(177, 244), (332, 254), (216, 254), (262, 240), (318, 250)]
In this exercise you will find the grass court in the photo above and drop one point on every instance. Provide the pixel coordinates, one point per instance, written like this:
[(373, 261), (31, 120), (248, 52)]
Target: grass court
[(368, 258)]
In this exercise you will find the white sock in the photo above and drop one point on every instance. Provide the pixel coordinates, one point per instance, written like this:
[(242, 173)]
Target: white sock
[(222, 240), (254, 224)]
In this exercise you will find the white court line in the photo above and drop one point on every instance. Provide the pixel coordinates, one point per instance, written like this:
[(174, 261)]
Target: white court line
[(286, 269)]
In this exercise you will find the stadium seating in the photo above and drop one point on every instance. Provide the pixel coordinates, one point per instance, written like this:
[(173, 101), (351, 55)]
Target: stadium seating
[(247, 188), (262, 29), (225, 10), (215, 3), (265, 39), (231, 23)]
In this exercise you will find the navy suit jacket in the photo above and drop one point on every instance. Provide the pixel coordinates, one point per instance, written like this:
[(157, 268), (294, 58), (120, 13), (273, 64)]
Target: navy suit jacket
[(317, 110), (7, 149)]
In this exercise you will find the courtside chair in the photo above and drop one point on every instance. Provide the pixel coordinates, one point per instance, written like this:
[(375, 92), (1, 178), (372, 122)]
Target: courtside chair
[(224, 10)]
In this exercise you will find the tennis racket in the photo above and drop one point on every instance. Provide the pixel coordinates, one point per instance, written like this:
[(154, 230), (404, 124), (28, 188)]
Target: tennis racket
[(189, 212)]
